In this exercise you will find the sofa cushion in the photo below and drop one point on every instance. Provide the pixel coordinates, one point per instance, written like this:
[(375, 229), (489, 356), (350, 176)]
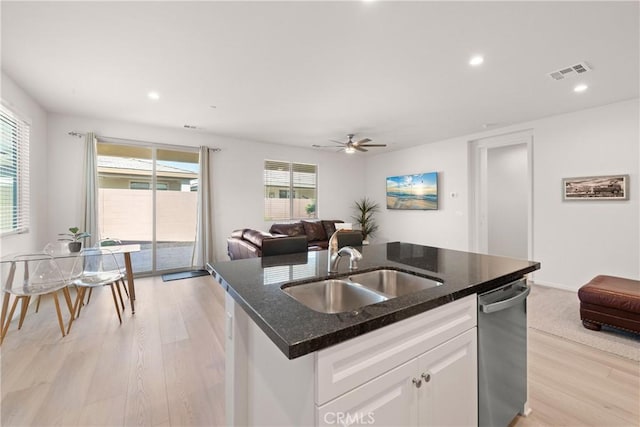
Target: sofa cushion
[(314, 230), (292, 229), (238, 233), (255, 236), (330, 226)]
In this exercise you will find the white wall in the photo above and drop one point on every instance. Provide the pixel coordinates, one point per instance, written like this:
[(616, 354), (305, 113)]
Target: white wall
[(238, 173), (20, 102), (446, 227), (508, 201), (577, 240), (574, 241)]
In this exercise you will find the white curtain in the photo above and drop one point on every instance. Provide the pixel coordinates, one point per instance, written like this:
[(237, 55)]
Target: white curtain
[(204, 248), (90, 190)]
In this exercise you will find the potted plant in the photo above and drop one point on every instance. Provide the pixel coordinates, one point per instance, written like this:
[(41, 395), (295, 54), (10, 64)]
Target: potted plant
[(311, 209), (365, 209), (74, 238)]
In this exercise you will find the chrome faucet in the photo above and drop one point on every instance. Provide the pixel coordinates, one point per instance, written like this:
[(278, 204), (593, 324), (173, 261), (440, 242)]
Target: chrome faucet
[(335, 254)]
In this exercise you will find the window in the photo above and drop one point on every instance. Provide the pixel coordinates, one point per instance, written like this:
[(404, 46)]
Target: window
[(14, 173), (289, 190)]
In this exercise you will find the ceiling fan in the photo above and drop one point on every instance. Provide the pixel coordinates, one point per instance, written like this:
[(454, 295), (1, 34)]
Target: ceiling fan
[(350, 146)]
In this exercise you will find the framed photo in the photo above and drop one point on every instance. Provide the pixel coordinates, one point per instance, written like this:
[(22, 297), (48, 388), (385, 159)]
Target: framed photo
[(607, 187), (418, 191)]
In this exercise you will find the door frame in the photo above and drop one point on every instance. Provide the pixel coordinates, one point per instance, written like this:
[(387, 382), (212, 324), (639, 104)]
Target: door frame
[(153, 147), (478, 151)]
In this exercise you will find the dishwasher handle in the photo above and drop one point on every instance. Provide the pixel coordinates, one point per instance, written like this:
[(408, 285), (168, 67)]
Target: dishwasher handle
[(507, 303)]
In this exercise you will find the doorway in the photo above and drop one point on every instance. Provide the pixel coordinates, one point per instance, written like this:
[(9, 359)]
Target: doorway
[(501, 197), (148, 195)]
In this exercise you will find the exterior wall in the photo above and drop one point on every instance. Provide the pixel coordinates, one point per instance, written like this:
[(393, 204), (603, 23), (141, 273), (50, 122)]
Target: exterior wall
[(114, 181), (176, 219)]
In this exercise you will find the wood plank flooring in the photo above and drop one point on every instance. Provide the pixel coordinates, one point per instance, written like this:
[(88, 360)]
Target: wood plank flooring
[(165, 367), (162, 366)]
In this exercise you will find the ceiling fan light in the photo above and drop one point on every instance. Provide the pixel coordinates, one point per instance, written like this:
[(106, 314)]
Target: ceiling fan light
[(349, 150)]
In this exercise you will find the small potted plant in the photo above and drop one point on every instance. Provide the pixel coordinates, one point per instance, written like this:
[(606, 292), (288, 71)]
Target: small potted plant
[(365, 209), (74, 238), (311, 209)]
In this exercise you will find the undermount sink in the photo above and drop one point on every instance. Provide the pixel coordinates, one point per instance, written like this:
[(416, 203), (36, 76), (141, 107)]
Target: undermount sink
[(393, 283), (333, 296), (358, 290)]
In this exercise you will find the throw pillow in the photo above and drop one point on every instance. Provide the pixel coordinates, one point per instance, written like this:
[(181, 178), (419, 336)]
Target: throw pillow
[(314, 230), (330, 226)]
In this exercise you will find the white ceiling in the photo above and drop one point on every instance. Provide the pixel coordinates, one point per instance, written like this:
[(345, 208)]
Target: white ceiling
[(302, 73)]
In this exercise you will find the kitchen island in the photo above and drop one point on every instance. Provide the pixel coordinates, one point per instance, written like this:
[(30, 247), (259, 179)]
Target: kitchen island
[(290, 365)]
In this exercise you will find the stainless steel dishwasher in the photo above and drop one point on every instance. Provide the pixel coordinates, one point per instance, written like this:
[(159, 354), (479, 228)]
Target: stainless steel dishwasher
[(502, 354)]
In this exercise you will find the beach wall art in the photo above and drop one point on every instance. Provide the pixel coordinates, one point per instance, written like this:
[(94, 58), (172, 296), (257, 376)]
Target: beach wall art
[(416, 192)]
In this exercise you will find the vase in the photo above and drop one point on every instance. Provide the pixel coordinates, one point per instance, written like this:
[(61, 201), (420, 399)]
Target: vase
[(75, 246)]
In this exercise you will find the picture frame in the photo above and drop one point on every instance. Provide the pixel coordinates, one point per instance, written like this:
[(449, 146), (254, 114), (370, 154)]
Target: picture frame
[(413, 192), (603, 187)]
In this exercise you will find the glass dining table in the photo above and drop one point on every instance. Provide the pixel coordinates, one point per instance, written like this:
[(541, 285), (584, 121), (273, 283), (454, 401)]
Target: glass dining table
[(65, 260)]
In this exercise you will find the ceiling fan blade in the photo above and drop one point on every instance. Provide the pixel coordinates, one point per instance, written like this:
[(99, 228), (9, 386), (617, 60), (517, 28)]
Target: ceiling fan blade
[(339, 142), (362, 141), (359, 148), (374, 145)]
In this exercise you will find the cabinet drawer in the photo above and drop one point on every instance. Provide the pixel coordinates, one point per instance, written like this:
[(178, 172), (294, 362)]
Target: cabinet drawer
[(343, 367)]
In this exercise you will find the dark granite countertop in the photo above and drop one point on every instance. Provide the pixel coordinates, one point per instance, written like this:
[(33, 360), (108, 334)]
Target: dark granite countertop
[(297, 330)]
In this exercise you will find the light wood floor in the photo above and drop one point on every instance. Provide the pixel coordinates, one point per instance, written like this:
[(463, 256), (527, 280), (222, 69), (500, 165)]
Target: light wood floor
[(162, 366), (165, 366)]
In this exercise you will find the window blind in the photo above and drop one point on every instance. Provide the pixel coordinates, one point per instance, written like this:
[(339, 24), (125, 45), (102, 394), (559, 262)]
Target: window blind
[(14, 172), (289, 190)]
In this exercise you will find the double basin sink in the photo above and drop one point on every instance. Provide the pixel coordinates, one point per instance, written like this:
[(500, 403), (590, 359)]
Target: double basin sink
[(357, 290)]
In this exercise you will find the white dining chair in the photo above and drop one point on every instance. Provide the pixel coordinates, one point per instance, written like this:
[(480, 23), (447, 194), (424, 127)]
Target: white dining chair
[(32, 275), (95, 267)]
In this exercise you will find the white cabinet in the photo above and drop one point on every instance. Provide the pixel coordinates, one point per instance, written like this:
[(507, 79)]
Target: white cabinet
[(373, 379), (388, 400), (344, 366), (437, 388), (449, 391)]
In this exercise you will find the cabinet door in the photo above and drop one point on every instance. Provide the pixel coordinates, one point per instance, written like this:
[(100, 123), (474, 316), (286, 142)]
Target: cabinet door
[(449, 392), (389, 400)]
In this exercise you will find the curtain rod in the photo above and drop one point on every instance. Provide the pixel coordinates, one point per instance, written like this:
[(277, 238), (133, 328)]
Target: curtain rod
[(81, 134)]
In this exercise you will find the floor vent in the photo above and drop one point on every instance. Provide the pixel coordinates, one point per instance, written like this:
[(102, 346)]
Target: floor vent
[(572, 71)]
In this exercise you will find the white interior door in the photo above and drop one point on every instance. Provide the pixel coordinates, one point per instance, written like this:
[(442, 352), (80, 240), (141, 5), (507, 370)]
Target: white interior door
[(502, 175)]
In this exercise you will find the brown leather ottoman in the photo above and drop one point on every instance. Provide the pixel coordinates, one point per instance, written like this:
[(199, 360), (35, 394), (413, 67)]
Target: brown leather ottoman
[(611, 301)]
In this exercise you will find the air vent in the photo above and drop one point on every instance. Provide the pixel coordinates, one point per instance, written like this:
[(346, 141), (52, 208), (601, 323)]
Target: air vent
[(571, 71)]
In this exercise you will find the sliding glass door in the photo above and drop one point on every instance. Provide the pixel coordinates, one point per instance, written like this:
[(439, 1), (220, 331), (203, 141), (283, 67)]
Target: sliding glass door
[(148, 195)]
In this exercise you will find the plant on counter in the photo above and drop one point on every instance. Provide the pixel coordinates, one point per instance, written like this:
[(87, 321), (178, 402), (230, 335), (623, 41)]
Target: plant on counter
[(365, 210), (74, 238)]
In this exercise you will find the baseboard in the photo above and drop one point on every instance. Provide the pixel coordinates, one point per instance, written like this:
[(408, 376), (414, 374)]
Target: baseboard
[(553, 285)]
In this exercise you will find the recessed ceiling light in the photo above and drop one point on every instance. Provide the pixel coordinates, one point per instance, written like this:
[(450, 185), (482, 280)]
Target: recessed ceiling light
[(580, 88), (153, 95), (476, 60)]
